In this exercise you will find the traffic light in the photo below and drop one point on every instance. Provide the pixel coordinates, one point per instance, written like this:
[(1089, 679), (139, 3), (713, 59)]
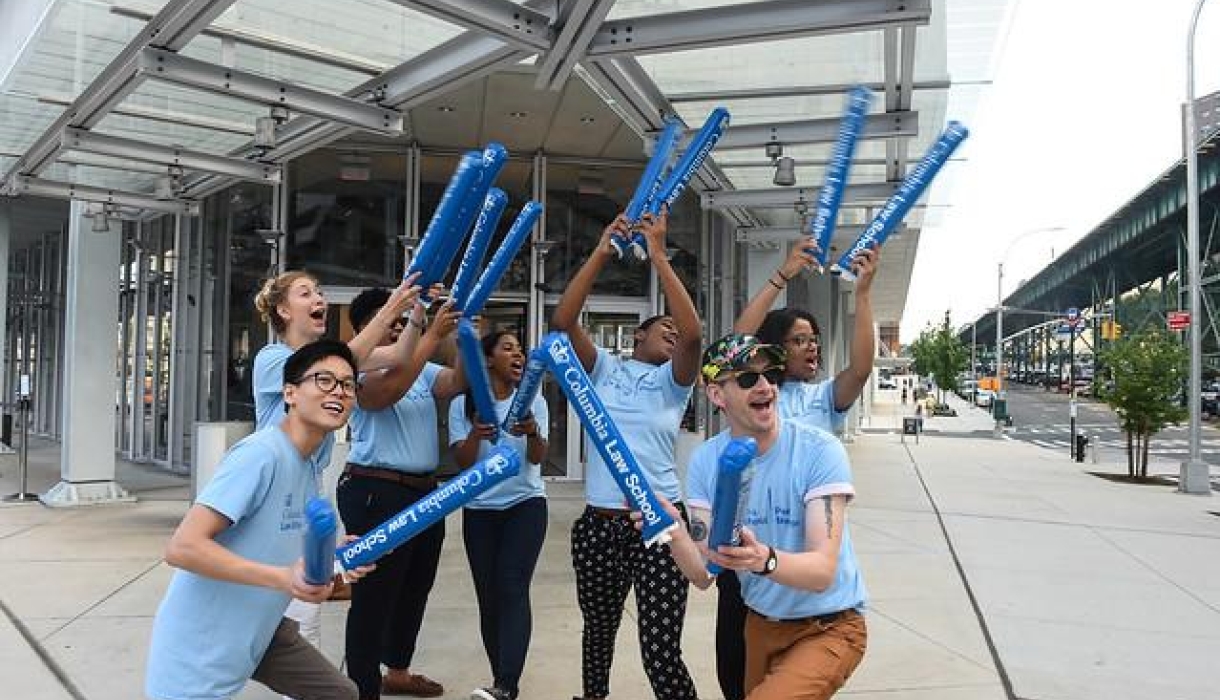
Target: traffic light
[(1111, 330)]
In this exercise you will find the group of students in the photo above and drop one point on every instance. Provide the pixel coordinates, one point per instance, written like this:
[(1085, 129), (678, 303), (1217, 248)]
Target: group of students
[(789, 621)]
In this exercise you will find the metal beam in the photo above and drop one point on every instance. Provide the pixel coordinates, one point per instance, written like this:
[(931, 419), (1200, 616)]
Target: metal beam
[(774, 20), (797, 91), (180, 70), (788, 197), (66, 190), (518, 25), (432, 73), (441, 69), (580, 21), (89, 142), (172, 28), (891, 125)]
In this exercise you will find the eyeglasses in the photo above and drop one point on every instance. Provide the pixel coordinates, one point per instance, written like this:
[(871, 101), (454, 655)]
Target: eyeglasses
[(804, 341), (747, 379), (327, 382)]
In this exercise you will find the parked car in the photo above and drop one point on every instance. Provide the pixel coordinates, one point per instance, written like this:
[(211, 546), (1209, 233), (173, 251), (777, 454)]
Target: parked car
[(886, 383), (983, 398)]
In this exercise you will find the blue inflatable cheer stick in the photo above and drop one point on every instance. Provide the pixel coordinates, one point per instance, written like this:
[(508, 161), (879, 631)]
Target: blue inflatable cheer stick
[(822, 226), (606, 438), (911, 189), (501, 463), (475, 366), (527, 390), (321, 529), (726, 511)]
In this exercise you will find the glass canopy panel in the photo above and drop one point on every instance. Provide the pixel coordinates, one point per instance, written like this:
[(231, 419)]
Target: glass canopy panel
[(376, 31), (820, 60), (75, 41), (22, 120)]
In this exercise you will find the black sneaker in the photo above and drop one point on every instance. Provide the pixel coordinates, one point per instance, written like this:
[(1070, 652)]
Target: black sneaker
[(492, 693)]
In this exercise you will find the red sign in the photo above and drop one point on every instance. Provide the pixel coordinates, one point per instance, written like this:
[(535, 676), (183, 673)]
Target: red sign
[(1178, 320)]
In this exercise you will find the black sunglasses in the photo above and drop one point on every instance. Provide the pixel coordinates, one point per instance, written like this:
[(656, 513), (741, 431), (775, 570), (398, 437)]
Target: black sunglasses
[(748, 378)]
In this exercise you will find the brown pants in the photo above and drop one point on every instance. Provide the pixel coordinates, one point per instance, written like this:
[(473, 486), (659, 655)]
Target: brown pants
[(807, 660), (292, 666)]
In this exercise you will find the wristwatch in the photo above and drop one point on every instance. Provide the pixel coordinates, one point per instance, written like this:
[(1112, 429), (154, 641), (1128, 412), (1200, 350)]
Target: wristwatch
[(770, 565)]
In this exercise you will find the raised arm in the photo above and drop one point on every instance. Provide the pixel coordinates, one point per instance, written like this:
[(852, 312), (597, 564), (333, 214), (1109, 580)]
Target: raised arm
[(452, 380), (567, 314), (369, 337), (386, 386), (799, 259), (677, 300), (850, 382)]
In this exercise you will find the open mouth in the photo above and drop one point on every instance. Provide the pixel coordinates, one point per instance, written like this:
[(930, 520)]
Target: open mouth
[(335, 408), (318, 314), (762, 404)]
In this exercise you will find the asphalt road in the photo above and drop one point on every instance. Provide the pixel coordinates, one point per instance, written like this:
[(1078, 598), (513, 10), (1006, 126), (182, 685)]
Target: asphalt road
[(1042, 417)]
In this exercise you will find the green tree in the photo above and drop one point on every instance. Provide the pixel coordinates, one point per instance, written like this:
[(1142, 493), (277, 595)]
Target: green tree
[(937, 353), (1146, 373)]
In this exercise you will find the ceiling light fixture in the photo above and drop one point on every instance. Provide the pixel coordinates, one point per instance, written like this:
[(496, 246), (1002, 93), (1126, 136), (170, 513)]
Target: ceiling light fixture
[(785, 167)]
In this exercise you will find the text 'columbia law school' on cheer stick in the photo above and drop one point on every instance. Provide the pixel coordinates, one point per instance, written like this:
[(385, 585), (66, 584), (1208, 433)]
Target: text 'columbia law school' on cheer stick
[(911, 189), (503, 462), (830, 197), (604, 434), (701, 144), (476, 248)]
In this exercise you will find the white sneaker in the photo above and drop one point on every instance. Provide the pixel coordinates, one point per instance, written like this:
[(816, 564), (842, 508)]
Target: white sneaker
[(491, 693)]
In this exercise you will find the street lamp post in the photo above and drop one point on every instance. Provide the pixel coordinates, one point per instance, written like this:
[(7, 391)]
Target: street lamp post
[(999, 312), (1194, 476)]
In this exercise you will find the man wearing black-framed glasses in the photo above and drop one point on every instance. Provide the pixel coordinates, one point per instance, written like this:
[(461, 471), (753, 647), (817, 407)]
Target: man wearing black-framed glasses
[(238, 553)]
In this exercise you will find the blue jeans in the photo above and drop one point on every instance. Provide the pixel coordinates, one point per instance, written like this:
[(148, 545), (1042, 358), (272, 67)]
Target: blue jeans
[(503, 547)]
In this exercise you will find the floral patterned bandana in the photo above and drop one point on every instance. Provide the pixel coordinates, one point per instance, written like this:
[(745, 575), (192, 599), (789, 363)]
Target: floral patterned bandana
[(734, 352)]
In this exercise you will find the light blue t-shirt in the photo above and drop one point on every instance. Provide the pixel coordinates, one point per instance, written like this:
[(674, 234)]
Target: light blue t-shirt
[(269, 396), (528, 483), (646, 404), (811, 404), (803, 464), (209, 635), (403, 436)]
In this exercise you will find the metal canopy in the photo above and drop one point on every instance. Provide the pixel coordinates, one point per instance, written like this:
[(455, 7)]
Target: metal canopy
[(182, 86)]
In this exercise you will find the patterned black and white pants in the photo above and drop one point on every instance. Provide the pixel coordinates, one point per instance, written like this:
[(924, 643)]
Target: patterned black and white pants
[(609, 557)]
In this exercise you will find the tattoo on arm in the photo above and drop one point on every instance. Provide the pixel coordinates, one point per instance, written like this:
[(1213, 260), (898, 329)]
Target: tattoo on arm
[(829, 515), (698, 530)]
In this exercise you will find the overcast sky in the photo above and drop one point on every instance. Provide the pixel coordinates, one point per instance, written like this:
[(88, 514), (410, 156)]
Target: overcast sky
[(1083, 114)]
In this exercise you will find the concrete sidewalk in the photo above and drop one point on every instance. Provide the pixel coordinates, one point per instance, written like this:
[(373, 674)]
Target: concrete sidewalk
[(974, 549)]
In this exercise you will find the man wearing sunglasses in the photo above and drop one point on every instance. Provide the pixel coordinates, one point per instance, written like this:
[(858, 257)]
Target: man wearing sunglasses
[(238, 554), (819, 404), (804, 630)]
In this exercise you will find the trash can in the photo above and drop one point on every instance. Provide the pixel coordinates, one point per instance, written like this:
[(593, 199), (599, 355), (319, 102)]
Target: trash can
[(1082, 443), (999, 409)]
